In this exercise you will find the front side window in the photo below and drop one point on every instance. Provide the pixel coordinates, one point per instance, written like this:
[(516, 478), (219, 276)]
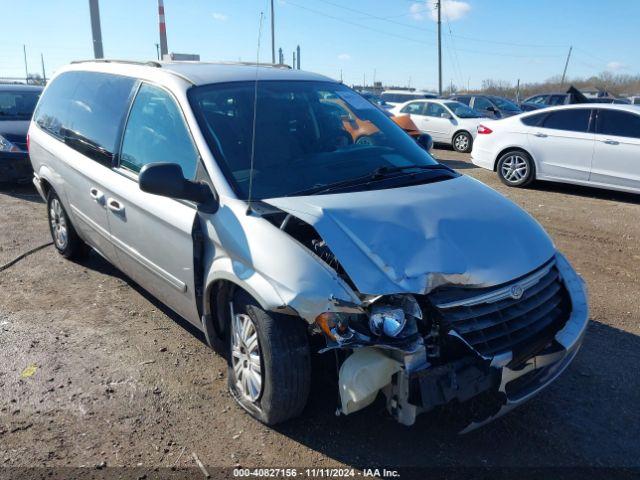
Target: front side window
[(460, 110), (434, 110), (557, 99), (18, 104), (482, 103), (413, 108), (300, 144), (574, 120), (504, 104), (156, 132), (618, 123), (538, 99)]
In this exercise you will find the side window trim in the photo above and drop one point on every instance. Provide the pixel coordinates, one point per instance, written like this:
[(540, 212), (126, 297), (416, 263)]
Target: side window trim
[(131, 174)]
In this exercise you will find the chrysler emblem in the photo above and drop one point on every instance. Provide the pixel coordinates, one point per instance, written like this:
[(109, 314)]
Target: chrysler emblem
[(516, 292)]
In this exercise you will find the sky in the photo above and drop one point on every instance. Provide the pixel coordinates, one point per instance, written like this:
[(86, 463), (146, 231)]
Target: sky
[(393, 41)]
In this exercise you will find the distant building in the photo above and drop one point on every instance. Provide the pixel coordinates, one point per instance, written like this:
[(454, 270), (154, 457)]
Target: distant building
[(182, 57)]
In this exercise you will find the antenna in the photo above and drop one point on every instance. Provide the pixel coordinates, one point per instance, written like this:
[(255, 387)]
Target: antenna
[(255, 112)]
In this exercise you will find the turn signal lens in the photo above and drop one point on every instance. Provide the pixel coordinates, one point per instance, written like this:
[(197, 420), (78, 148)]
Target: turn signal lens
[(326, 321)]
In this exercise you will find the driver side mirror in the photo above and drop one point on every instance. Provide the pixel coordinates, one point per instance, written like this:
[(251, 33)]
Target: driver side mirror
[(445, 115), (167, 180)]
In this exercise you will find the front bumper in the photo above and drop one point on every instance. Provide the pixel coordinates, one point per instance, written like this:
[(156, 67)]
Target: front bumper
[(15, 167), (494, 380)]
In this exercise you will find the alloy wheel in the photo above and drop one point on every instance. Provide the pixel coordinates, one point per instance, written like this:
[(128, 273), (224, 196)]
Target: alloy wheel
[(245, 357), (514, 168), (58, 224), (461, 143)]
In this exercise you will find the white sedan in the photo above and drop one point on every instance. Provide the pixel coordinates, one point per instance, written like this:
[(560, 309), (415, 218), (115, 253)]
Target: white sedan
[(586, 144), (447, 121)]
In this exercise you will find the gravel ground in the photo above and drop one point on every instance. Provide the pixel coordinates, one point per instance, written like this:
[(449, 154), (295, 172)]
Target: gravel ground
[(93, 371)]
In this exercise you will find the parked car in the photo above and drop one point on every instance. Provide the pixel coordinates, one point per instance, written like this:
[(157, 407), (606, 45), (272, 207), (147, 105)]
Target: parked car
[(396, 97), (586, 144), (490, 106), (634, 100), (528, 106), (363, 132), (447, 121), (16, 107), (251, 212)]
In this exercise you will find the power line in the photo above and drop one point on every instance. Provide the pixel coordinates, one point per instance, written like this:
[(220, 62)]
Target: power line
[(427, 8), (404, 37)]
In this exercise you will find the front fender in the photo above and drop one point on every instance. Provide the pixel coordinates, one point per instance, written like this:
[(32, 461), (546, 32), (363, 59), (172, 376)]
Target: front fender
[(278, 271)]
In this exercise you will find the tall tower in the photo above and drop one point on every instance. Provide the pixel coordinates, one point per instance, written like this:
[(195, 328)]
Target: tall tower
[(163, 30), (94, 11)]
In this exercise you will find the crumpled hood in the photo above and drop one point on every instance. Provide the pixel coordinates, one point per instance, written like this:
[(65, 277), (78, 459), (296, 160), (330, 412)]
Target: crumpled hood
[(414, 239)]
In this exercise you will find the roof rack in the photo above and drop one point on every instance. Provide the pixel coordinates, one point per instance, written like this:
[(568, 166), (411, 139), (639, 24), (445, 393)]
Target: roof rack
[(113, 60)]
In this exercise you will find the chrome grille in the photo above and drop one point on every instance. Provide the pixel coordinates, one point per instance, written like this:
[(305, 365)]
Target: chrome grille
[(492, 322)]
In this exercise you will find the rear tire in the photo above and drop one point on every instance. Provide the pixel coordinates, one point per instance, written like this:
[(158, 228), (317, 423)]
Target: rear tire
[(516, 169), (64, 236), (462, 142), (269, 361)]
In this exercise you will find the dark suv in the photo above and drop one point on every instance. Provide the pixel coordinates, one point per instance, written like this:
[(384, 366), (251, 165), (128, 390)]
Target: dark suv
[(16, 107), (490, 106)]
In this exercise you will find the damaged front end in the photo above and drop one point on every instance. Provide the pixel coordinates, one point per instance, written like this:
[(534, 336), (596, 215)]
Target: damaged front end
[(484, 350), (442, 316)]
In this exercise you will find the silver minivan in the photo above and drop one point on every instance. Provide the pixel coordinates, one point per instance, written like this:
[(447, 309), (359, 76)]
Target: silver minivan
[(237, 196)]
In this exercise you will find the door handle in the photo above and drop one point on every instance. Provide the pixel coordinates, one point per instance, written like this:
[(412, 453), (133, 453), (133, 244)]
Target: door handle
[(611, 142), (96, 194), (541, 135), (115, 206)]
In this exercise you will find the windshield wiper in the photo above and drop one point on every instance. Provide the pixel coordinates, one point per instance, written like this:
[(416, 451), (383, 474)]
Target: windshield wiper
[(376, 174)]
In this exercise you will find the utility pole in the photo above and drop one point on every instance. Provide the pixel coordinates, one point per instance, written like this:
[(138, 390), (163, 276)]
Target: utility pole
[(293, 65), (96, 31), (564, 73), (340, 75), (26, 69), (280, 56), (518, 92), (164, 50), (439, 7), (158, 50), (273, 36), (298, 56), (44, 75)]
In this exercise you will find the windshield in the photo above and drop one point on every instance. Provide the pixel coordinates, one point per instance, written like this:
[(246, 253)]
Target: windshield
[(460, 110), (17, 105), (504, 104), (307, 134)]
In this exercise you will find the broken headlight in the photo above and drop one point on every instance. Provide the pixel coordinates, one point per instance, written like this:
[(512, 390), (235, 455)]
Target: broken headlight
[(394, 316)]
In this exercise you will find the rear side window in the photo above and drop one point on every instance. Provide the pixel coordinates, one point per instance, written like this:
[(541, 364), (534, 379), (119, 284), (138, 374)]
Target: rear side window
[(156, 132), (85, 110), (533, 120), (464, 99), (574, 120), (52, 110), (621, 124)]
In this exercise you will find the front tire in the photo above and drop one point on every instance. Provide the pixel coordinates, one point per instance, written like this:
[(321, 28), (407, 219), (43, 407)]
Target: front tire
[(516, 169), (462, 142), (269, 361), (64, 236)]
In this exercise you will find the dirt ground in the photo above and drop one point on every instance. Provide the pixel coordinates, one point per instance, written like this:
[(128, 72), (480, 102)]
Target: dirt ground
[(94, 372)]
